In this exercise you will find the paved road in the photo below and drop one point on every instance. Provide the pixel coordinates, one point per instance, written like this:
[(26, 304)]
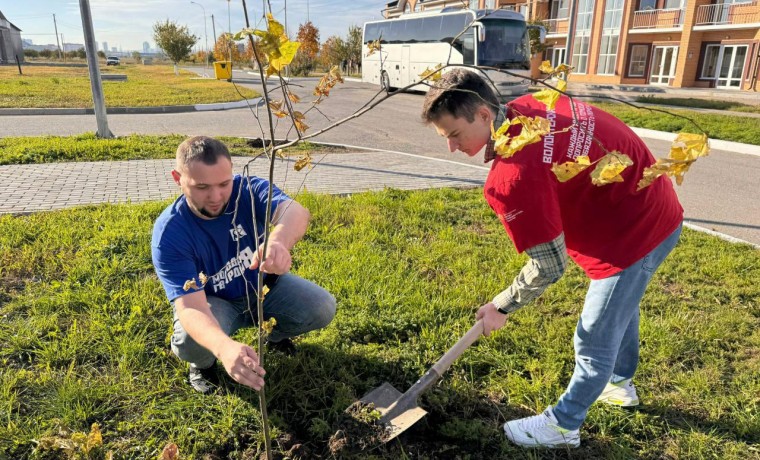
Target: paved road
[(719, 193)]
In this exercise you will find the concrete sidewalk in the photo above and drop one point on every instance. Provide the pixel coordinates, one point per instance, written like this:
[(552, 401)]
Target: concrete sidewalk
[(49, 186)]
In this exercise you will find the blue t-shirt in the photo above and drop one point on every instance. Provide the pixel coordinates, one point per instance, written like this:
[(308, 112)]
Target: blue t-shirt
[(185, 245)]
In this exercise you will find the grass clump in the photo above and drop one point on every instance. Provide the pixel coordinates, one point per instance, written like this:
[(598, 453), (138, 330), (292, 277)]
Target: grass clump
[(88, 147), (69, 87), (726, 127), (85, 331)]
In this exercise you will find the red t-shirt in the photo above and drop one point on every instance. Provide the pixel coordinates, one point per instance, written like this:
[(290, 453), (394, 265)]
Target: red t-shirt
[(607, 228)]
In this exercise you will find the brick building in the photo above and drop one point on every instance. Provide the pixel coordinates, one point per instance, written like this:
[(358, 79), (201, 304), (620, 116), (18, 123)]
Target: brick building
[(677, 43)]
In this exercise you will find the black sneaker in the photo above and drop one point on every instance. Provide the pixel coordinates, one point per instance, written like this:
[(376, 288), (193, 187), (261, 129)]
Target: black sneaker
[(284, 346), (202, 380)]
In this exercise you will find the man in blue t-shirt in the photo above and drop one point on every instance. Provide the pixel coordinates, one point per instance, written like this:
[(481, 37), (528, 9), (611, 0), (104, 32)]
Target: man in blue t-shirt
[(207, 257)]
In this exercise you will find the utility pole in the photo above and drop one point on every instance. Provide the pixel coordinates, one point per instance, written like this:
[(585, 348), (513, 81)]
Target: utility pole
[(205, 34), (63, 43), (55, 24), (213, 27), (571, 30), (92, 63)]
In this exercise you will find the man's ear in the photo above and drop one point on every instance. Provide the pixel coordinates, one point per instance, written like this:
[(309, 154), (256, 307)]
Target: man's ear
[(176, 175), (484, 114)]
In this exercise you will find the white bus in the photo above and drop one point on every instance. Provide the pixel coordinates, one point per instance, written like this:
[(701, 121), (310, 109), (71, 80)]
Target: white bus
[(414, 42)]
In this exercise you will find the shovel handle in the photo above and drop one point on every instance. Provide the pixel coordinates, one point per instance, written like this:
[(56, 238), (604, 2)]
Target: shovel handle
[(468, 339)]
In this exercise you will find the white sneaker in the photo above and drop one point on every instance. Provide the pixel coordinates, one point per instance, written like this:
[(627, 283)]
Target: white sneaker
[(621, 394), (541, 431)]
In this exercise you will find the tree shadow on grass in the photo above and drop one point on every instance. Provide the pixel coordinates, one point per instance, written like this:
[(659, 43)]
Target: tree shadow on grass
[(308, 394)]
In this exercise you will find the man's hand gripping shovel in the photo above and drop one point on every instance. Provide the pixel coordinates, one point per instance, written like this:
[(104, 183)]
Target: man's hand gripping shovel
[(400, 411)]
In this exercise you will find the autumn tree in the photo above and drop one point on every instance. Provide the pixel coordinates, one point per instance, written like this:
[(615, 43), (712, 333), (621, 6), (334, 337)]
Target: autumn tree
[(305, 60), (346, 53), (226, 48), (332, 52), (175, 40)]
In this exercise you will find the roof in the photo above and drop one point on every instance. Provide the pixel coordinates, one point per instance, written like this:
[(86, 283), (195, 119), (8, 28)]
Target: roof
[(2, 17)]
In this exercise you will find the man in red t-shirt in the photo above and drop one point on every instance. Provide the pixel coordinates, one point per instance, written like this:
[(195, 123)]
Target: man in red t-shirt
[(616, 234)]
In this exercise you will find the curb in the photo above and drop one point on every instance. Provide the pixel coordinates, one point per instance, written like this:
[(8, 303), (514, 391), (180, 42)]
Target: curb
[(716, 144)]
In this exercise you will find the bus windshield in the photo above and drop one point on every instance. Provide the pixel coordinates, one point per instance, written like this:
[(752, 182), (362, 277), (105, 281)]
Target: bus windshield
[(506, 44)]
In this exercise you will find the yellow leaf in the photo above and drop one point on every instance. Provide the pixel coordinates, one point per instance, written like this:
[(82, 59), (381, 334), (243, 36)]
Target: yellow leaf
[(673, 168), (293, 98), (532, 131), (689, 147), (303, 162), (268, 325), (500, 137), (372, 47), (264, 291), (608, 169), (432, 74), (549, 96), (546, 67), (326, 83), (287, 52), (276, 107), (190, 284), (570, 169)]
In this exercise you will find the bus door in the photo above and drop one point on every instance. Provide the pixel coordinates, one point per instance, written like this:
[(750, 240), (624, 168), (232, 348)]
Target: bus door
[(406, 65)]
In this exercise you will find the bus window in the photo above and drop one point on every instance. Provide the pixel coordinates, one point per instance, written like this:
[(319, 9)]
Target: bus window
[(430, 32), (468, 47), (452, 25), (506, 45)]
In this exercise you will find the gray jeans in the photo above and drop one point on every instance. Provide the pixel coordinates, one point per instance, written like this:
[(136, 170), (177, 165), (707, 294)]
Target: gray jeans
[(298, 305)]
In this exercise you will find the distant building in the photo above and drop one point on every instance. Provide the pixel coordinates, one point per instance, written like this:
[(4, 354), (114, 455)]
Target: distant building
[(113, 49), (72, 47), (146, 47), (10, 41), (105, 47)]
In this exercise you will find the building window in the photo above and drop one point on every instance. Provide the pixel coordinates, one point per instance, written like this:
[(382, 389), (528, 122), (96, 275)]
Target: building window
[(474, 4), (490, 4), (559, 9), (710, 63), (613, 17), (638, 63), (582, 36), (647, 5)]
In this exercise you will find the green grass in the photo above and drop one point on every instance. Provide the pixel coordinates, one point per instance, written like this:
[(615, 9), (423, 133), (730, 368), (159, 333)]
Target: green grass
[(700, 103), (69, 87), (726, 127), (85, 331), (87, 147)]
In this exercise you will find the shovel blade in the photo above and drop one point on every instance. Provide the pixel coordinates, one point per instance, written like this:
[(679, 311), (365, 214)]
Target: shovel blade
[(385, 398)]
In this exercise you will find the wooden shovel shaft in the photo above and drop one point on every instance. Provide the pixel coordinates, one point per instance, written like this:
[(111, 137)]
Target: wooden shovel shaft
[(443, 364)]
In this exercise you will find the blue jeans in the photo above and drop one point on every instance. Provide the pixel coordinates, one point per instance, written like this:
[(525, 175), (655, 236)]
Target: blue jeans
[(298, 305), (607, 335)]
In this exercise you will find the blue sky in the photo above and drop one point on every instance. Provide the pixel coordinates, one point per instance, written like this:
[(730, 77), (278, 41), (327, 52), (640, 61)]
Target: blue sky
[(129, 23)]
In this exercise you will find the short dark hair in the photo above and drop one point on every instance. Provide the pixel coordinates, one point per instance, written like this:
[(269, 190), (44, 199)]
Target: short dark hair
[(201, 148), (459, 93)]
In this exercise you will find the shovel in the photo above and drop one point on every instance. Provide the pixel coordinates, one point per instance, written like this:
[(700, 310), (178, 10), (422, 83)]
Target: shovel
[(400, 411)]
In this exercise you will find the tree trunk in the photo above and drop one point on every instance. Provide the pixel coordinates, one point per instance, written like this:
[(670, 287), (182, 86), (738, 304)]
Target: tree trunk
[(176, 69)]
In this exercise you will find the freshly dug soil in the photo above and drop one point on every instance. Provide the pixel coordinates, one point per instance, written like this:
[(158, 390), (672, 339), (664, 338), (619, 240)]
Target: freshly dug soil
[(358, 430)]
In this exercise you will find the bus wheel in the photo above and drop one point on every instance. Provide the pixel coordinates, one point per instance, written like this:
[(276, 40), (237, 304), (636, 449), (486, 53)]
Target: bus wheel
[(385, 82)]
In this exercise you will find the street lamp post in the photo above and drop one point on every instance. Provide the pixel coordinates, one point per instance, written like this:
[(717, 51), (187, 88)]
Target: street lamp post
[(205, 34)]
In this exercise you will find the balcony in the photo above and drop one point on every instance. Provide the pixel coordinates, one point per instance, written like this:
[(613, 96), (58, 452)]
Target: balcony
[(670, 19), (728, 14), (556, 26)]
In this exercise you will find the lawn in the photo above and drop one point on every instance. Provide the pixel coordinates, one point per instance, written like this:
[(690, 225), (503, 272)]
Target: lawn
[(700, 103), (85, 331), (152, 85), (726, 127), (87, 147)]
